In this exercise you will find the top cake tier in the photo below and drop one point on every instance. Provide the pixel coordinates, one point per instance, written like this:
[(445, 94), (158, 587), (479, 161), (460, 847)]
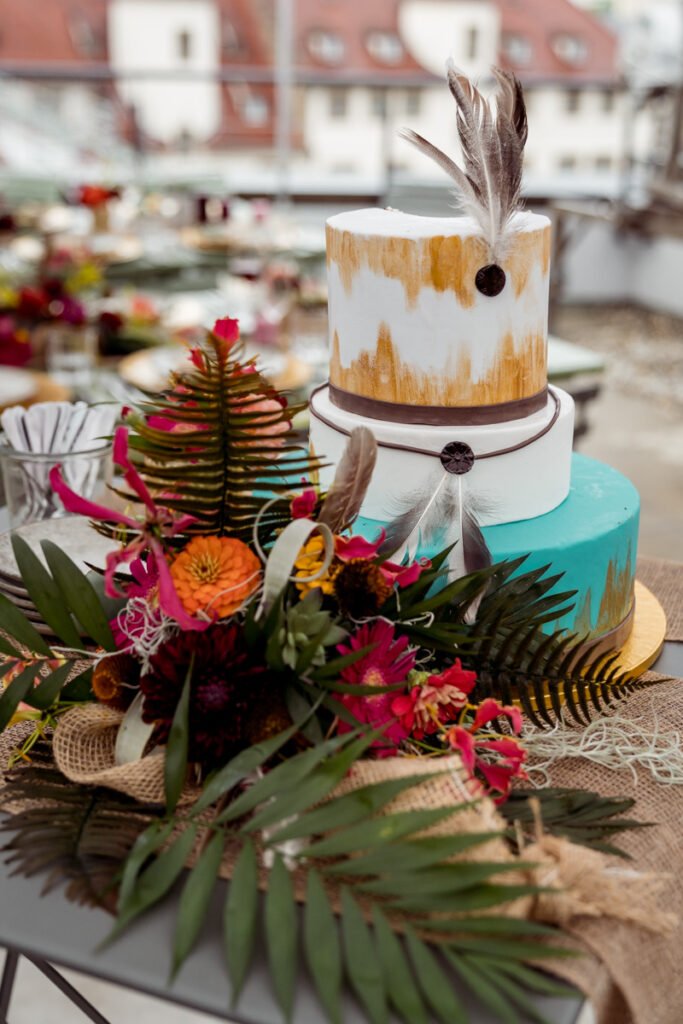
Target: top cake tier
[(423, 330)]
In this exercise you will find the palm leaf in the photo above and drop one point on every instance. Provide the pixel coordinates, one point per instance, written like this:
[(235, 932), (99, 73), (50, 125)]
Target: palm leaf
[(581, 816), (76, 835)]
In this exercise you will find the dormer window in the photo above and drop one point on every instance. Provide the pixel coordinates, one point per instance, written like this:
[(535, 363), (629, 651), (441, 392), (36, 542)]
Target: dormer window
[(231, 40), (82, 34), (384, 47), (570, 49), (326, 46), (517, 48)]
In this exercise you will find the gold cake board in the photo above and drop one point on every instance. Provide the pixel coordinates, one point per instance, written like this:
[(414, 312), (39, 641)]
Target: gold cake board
[(645, 643)]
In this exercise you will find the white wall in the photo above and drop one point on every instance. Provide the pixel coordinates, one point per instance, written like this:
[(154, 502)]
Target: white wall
[(586, 135), (603, 265), (145, 34), (434, 30)]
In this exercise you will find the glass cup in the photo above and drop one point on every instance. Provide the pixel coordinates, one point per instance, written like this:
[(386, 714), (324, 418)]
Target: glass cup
[(71, 355), (26, 479)]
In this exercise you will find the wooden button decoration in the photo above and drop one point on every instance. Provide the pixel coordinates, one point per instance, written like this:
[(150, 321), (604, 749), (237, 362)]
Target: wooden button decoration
[(457, 457), (490, 280)]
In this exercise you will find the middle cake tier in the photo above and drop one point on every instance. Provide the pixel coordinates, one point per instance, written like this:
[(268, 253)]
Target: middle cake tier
[(521, 468)]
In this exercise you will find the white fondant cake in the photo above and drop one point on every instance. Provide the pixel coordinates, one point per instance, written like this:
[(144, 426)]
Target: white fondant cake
[(424, 358), (408, 325), (438, 345)]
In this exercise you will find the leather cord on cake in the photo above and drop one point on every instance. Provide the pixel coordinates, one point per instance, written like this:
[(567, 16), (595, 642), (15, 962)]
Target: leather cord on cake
[(439, 455)]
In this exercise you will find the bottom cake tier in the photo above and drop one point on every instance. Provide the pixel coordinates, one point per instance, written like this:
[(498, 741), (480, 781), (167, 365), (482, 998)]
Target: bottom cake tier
[(591, 538)]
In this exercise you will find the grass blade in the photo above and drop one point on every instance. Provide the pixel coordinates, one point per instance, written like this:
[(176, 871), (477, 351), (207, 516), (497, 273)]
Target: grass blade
[(79, 595), (239, 921), (403, 992), (281, 936), (362, 964), (175, 763), (45, 594), (195, 898), (322, 947)]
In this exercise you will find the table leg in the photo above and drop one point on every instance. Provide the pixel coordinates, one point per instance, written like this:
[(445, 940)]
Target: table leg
[(7, 983), (69, 991)]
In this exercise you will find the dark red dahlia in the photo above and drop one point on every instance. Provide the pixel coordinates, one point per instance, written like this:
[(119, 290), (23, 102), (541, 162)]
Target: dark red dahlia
[(230, 692)]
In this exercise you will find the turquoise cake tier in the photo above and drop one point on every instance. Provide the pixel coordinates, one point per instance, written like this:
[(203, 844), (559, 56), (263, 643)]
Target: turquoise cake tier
[(592, 538)]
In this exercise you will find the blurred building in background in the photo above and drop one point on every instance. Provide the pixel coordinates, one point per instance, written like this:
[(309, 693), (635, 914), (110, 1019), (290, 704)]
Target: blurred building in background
[(241, 88)]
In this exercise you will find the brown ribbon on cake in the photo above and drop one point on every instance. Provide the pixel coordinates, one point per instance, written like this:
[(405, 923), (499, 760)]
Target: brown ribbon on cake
[(426, 451), (437, 415)]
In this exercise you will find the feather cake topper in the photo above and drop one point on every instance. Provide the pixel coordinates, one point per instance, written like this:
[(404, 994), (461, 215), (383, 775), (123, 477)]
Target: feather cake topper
[(488, 186)]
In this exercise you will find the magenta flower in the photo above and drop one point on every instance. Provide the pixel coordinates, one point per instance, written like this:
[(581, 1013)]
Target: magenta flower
[(131, 622), (159, 524), (302, 505), (346, 548), (227, 330), (388, 663)]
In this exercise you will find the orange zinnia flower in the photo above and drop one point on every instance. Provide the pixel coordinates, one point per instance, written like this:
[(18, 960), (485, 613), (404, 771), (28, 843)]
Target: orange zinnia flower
[(215, 575)]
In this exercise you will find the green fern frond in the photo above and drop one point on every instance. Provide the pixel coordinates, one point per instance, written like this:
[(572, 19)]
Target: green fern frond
[(231, 454)]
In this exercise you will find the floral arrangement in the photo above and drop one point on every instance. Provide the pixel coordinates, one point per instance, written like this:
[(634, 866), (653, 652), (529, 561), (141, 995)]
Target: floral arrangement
[(247, 633)]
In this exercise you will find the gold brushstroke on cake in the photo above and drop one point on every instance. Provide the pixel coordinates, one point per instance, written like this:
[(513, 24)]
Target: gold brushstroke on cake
[(615, 603), (442, 263), (517, 371), (617, 596), (583, 622)]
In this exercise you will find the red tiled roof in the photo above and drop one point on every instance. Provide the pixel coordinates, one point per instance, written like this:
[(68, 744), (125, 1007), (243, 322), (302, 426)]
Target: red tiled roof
[(351, 21), (540, 23), (73, 31)]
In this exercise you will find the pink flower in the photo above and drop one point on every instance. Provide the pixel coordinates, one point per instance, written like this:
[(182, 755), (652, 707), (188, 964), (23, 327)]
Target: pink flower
[(347, 548), (159, 524), (132, 622), (441, 697), (404, 575), (504, 756), (302, 506), (227, 329), (388, 663)]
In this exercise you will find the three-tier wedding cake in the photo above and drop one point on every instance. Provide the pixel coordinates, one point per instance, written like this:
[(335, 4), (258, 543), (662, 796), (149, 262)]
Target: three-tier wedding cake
[(438, 344)]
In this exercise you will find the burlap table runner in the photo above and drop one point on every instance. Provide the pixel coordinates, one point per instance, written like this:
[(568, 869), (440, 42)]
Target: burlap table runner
[(665, 580), (631, 976)]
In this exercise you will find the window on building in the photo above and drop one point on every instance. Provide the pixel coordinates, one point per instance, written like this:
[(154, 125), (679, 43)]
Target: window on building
[(517, 48), (413, 102), (608, 101), (572, 101), (184, 42), (472, 43), (255, 110), (385, 47), (379, 102), (325, 46), (570, 49), (83, 36), (231, 40), (567, 163), (603, 163), (338, 102)]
